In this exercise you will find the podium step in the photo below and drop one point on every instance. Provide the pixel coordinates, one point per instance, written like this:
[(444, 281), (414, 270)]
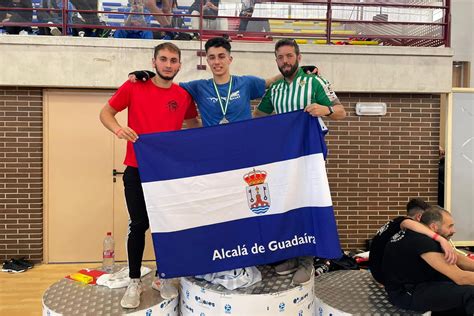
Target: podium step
[(274, 295), (68, 297)]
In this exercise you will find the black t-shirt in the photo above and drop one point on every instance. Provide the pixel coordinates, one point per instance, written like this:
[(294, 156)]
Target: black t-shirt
[(377, 248), (403, 264)]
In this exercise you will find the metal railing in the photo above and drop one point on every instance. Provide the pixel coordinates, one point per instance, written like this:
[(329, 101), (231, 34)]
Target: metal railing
[(371, 22)]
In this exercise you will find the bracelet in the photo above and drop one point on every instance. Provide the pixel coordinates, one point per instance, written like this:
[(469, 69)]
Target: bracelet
[(118, 131), (435, 236)]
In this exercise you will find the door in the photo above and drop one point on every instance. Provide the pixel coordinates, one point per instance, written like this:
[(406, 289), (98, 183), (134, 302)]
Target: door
[(83, 200)]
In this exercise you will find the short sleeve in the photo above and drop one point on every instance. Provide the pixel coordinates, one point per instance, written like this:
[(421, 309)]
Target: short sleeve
[(191, 86), (398, 221), (319, 94), (191, 111), (425, 244), (324, 91), (256, 85), (266, 105), (121, 98)]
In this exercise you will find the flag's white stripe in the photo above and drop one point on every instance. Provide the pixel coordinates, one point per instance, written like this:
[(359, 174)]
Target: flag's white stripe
[(220, 197)]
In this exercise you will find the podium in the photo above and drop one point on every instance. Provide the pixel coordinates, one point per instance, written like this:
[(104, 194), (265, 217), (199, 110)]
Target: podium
[(274, 295), (68, 297)]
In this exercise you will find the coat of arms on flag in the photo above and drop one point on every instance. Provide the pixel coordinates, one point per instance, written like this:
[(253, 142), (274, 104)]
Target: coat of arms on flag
[(258, 193)]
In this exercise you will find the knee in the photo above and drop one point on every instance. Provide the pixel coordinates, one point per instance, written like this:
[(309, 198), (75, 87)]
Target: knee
[(139, 227)]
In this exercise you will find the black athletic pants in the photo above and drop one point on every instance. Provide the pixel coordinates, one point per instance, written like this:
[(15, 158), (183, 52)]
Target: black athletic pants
[(138, 220), (442, 298)]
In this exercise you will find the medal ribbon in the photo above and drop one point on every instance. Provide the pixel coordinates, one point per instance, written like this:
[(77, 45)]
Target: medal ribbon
[(223, 109)]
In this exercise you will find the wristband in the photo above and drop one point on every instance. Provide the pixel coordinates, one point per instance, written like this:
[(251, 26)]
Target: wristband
[(331, 111), (435, 236), (118, 131)]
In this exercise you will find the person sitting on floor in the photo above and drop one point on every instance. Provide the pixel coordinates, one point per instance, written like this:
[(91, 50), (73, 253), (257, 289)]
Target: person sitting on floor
[(415, 209), (417, 276)]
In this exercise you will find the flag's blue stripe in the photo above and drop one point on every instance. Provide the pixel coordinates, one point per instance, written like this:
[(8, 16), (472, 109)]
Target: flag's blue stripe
[(189, 252), (172, 155)]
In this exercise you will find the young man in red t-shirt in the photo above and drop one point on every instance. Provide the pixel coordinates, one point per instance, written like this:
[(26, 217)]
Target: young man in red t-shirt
[(157, 105)]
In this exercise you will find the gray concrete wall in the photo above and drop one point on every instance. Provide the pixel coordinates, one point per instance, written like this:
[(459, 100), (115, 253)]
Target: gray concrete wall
[(39, 61), (462, 34)]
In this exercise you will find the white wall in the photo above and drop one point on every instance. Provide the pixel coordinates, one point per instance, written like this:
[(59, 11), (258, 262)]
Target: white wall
[(75, 62), (462, 32)]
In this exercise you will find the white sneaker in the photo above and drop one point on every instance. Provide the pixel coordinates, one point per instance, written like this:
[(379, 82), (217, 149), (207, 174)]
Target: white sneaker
[(287, 267), (167, 290), (303, 275), (131, 298), (54, 30), (23, 32)]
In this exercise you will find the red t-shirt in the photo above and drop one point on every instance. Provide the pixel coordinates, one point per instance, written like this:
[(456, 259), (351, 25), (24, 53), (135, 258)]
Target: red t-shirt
[(152, 109)]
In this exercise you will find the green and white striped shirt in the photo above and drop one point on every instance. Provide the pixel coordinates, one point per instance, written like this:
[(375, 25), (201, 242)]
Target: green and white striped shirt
[(304, 90)]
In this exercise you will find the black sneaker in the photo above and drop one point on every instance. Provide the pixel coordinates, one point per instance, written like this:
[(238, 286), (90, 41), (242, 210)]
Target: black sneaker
[(23, 262), (10, 266)]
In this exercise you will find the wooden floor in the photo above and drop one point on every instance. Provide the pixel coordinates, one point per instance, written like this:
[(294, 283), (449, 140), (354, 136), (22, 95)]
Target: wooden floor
[(21, 293)]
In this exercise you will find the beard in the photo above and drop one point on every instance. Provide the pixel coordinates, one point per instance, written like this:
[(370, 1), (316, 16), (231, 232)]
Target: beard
[(168, 78), (447, 237), (290, 72)]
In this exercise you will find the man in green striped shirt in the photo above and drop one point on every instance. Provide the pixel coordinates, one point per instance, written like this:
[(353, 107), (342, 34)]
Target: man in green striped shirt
[(297, 91)]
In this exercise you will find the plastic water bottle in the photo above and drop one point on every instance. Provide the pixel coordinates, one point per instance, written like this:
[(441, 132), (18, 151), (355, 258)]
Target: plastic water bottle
[(108, 255)]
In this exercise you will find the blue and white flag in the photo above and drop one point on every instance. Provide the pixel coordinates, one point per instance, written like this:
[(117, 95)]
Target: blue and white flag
[(238, 195)]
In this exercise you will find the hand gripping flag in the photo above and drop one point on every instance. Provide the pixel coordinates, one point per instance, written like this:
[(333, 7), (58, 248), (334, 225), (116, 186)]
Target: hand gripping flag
[(247, 193)]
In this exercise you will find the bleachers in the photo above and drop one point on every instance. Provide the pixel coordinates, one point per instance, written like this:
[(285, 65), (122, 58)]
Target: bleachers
[(303, 21), (116, 9), (117, 16), (308, 29)]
